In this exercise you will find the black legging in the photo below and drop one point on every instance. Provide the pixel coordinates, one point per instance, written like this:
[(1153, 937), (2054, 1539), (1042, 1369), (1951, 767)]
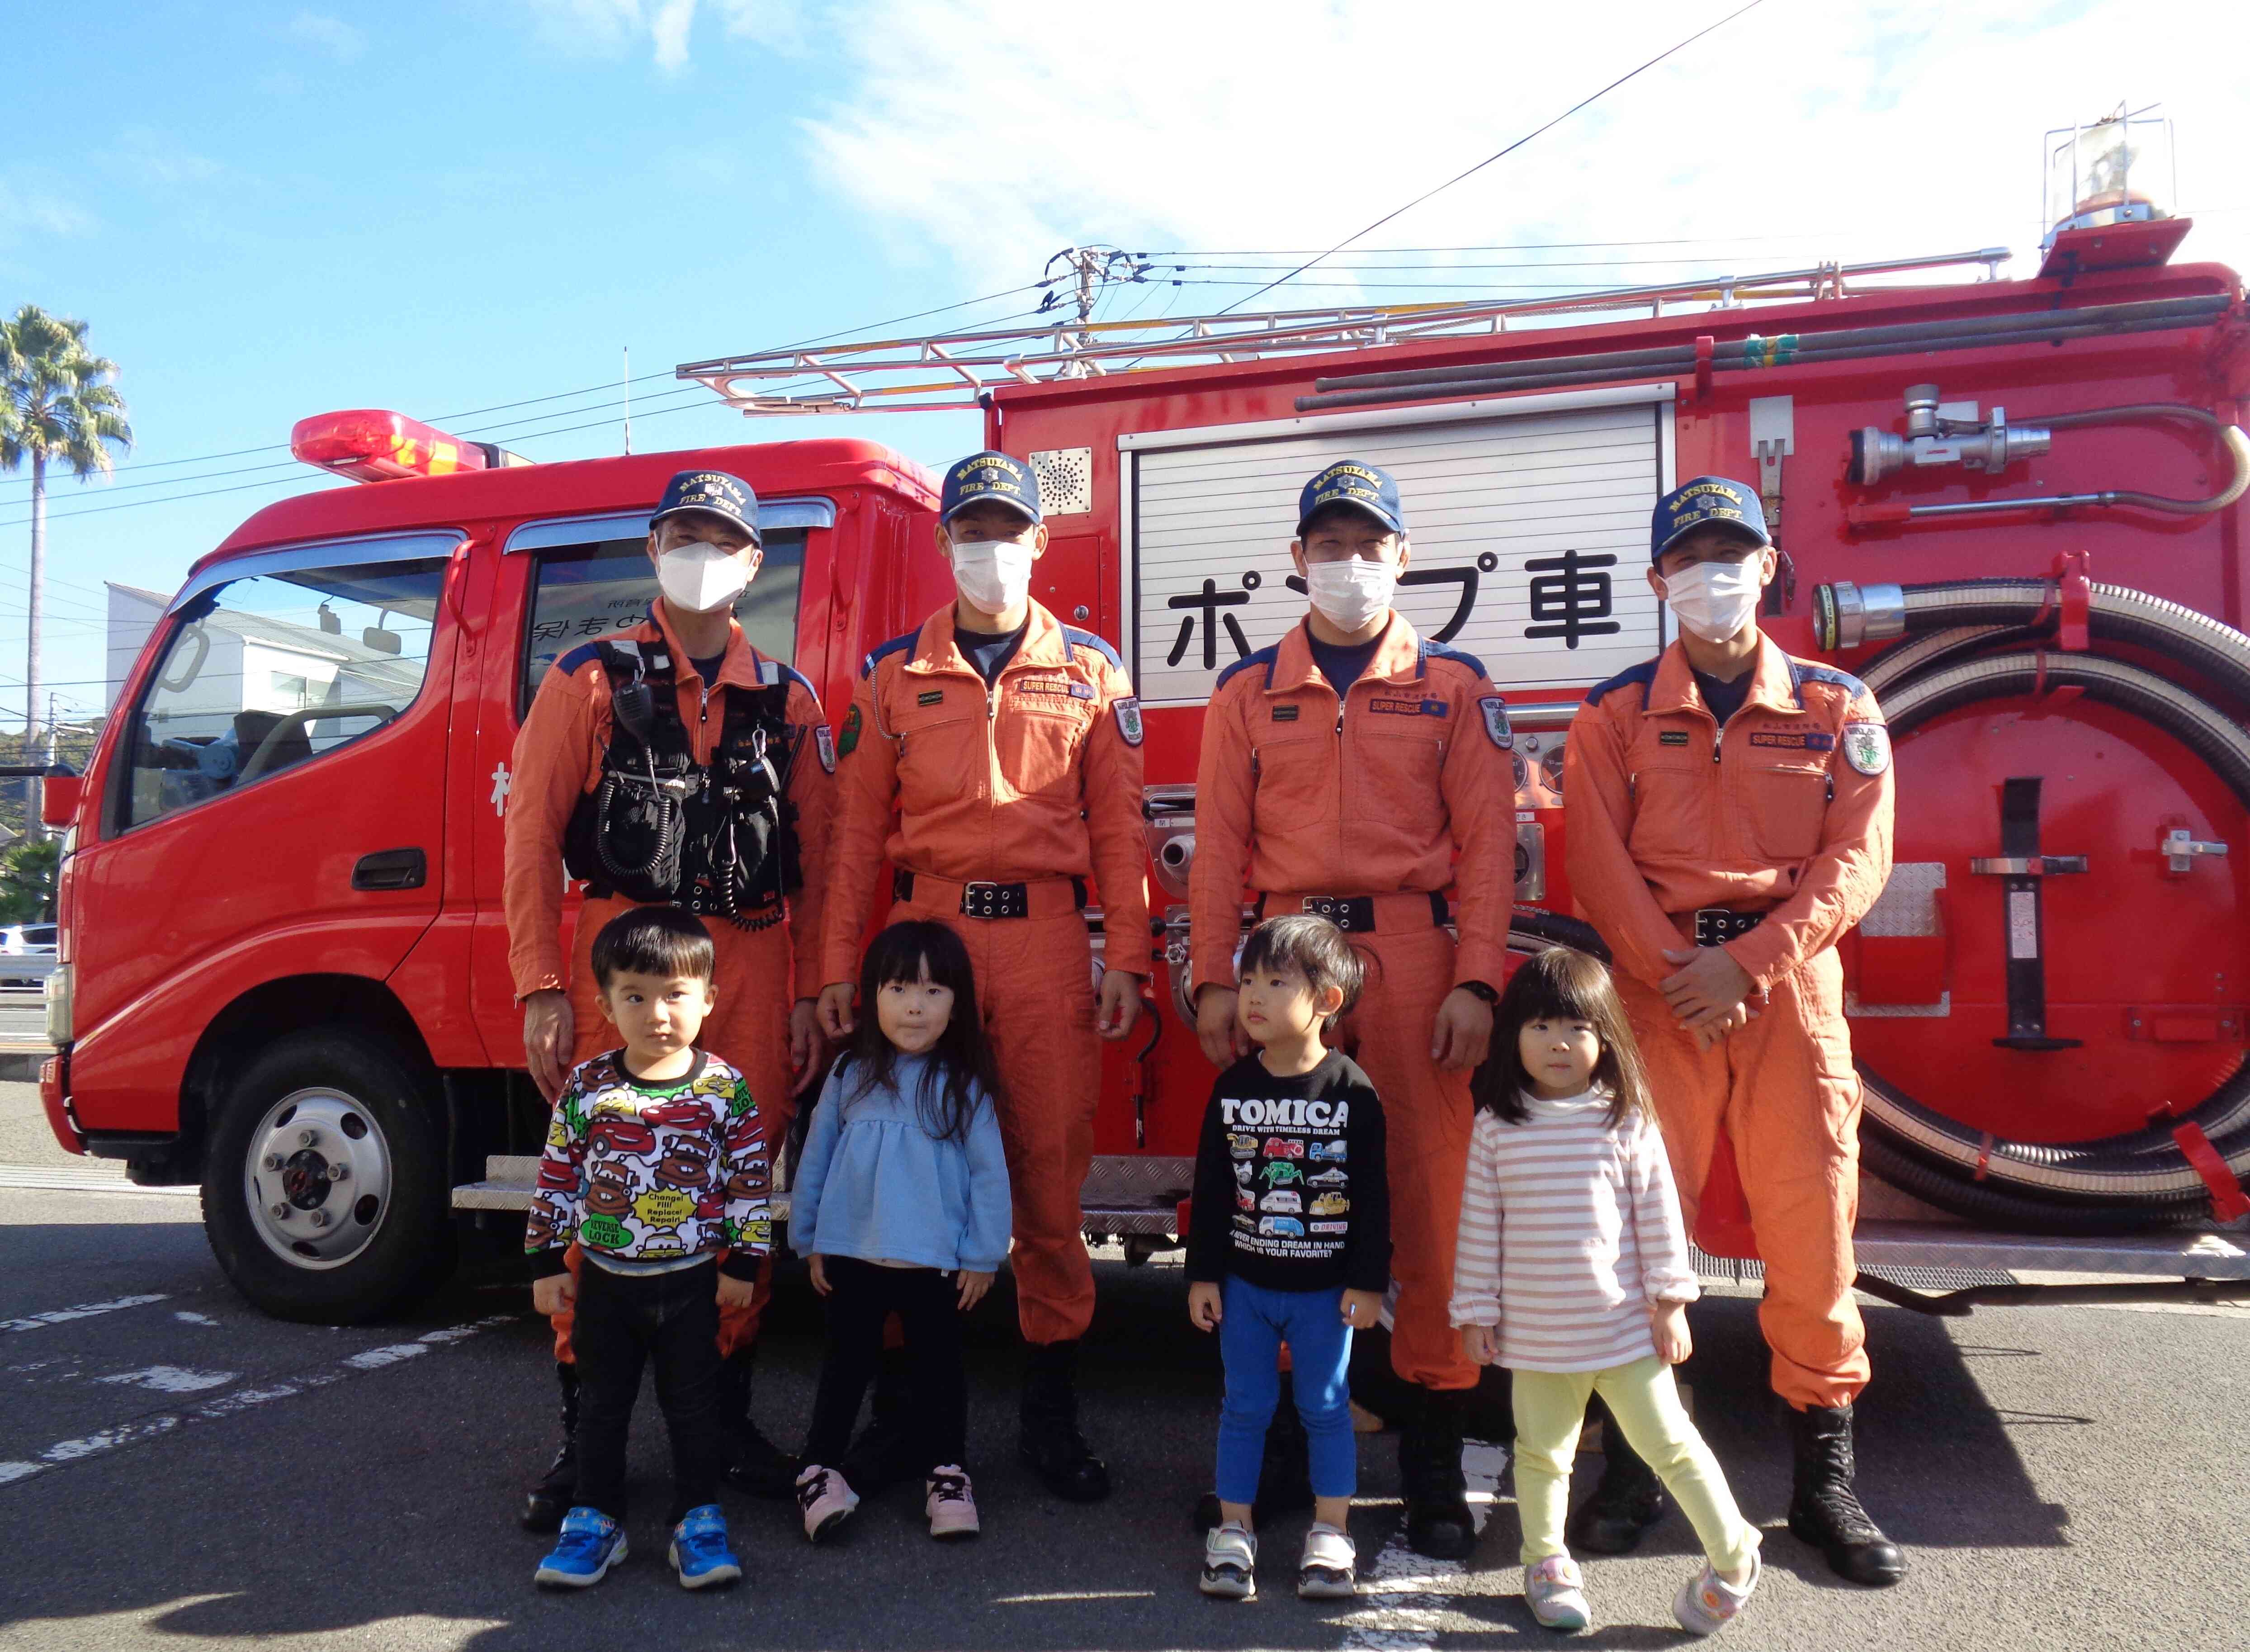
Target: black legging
[(861, 1296)]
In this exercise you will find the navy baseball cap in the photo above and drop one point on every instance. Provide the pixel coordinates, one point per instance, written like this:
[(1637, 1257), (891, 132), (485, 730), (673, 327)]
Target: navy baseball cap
[(711, 490), (992, 477), (1709, 502), (1349, 482)]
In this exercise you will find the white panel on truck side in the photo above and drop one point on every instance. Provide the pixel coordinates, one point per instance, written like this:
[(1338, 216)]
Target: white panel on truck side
[(1529, 533)]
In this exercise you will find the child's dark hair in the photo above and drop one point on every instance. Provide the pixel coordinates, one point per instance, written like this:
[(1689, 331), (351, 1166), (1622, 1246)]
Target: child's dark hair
[(1560, 985), (653, 940), (1311, 947), (960, 1062)]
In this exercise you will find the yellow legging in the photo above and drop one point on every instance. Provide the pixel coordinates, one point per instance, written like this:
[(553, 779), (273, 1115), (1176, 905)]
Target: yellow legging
[(1549, 1408)]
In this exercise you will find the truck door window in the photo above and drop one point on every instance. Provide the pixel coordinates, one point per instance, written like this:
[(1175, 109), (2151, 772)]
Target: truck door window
[(266, 673), (599, 590)]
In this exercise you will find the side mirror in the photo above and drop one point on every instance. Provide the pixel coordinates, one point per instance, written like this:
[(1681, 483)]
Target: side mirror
[(58, 798)]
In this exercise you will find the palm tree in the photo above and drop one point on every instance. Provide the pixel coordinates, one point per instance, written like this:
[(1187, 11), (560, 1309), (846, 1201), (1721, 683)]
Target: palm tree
[(55, 408)]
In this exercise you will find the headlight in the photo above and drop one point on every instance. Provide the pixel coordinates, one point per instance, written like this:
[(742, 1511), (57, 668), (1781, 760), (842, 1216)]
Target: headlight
[(58, 1006)]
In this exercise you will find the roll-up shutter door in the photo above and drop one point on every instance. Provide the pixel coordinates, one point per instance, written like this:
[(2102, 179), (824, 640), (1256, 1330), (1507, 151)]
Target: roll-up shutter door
[(1530, 535)]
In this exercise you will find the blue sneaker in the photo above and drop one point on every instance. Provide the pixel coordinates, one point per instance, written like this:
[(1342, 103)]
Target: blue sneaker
[(699, 1553), (592, 1543)]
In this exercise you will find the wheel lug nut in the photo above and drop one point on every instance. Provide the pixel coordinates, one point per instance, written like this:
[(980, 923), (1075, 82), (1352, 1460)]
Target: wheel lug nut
[(271, 1161), (306, 1137), (281, 1209), (338, 1170), (320, 1218)]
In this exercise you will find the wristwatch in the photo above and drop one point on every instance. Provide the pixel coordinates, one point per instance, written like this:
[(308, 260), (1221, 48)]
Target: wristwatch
[(1480, 990)]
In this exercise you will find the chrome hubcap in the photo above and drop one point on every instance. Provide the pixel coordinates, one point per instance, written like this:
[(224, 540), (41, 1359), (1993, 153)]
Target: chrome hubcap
[(317, 1176)]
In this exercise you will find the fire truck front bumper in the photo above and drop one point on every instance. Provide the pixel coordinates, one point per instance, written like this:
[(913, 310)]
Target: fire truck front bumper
[(54, 1095)]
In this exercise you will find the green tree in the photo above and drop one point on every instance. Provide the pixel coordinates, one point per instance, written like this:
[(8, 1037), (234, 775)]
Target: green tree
[(27, 880), (57, 407)]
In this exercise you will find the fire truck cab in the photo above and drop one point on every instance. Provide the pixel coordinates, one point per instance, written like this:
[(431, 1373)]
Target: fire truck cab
[(284, 963)]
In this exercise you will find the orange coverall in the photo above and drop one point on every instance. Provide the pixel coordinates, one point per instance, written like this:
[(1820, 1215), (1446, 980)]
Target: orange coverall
[(1775, 813), (1036, 780), (1297, 797), (557, 760)]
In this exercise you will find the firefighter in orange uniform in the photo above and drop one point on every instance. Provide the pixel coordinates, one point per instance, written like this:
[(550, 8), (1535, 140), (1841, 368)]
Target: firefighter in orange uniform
[(621, 738), (992, 758), (1344, 771), (1729, 818)]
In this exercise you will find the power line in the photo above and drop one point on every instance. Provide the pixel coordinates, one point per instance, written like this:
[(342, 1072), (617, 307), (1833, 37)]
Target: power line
[(1510, 150), (497, 407)]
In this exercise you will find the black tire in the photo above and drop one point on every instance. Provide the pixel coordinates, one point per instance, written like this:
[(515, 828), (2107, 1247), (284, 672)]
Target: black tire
[(409, 1245)]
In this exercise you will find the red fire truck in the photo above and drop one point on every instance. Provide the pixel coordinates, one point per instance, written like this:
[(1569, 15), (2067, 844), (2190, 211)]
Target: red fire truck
[(2013, 506)]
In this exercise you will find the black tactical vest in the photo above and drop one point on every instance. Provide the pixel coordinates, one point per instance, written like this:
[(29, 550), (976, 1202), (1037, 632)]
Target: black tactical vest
[(719, 841)]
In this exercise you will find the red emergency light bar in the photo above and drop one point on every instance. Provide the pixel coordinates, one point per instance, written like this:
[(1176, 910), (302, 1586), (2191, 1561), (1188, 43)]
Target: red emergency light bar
[(370, 444)]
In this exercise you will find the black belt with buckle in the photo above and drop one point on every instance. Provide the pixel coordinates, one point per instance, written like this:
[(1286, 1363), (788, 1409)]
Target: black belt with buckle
[(987, 900), (1355, 913), (1715, 925)]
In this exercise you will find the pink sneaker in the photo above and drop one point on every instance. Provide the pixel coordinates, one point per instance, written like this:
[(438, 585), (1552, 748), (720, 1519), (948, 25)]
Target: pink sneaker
[(826, 1499), (1707, 1602), (949, 1503)]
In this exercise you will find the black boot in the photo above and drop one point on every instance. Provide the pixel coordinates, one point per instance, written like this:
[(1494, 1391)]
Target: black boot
[(546, 1504), (1285, 1473), (1430, 1476), (1051, 1444), (1625, 1504), (1823, 1509), (752, 1463), (886, 1450)]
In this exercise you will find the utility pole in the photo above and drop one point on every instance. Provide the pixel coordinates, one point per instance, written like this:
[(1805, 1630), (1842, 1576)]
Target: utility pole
[(1089, 269)]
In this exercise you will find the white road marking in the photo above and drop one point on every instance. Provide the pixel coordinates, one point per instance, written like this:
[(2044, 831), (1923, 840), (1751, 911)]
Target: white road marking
[(1074, 1594), (84, 1311), (64, 1452), (185, 1317), (70, 1179), (1415, 1592), (172, 1379)]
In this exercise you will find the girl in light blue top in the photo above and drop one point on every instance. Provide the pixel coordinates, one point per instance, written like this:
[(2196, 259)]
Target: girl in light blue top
[(901, 1201)]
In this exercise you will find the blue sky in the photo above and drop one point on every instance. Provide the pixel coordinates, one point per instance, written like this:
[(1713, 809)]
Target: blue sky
[(268, 210)]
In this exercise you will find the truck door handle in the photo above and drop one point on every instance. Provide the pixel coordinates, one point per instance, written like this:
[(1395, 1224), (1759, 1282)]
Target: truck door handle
[(391, 869)]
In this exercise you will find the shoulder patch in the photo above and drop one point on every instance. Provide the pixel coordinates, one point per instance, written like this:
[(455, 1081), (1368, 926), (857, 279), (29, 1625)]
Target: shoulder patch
[(1495, 722), (1265, 657), (852, 724), (1078, 638), (1127, 712), (824, 745), (1866, 747), (1460, 656), (867, 666), (1644, 673), (1801, 673)]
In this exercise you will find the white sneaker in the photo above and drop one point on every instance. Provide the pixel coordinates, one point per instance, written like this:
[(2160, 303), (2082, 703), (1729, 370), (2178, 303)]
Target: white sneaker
[(1328, 1568), (1230, 1564), (1707, 1602), (826, 1499), (948, 1504), (1555, 1593)]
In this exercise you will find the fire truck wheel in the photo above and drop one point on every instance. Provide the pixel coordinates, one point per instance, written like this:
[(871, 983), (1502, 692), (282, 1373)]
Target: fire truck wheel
[(324, 1191)]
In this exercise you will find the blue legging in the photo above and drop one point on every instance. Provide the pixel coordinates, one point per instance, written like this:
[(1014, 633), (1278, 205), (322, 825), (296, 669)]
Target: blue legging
[(1253, 1327)]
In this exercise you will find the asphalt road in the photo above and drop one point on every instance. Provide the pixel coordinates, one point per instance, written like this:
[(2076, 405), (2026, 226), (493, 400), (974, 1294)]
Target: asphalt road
[(178, 1471)]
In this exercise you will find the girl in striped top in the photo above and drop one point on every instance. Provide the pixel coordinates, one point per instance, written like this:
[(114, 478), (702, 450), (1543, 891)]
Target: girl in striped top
[(1572, 1271)]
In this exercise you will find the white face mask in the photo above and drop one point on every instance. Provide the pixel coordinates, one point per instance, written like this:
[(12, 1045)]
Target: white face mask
[(1715, 599), (1351, 593), (994, 575), (701, 578)]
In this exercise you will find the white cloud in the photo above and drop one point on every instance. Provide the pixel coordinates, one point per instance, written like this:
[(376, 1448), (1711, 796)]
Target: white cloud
[(609, 28), (1903, 128), (31, 206), (334, 36), (146, 155)]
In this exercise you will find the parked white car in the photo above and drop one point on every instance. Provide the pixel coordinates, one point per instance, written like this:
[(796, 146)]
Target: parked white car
[(27, 954)]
